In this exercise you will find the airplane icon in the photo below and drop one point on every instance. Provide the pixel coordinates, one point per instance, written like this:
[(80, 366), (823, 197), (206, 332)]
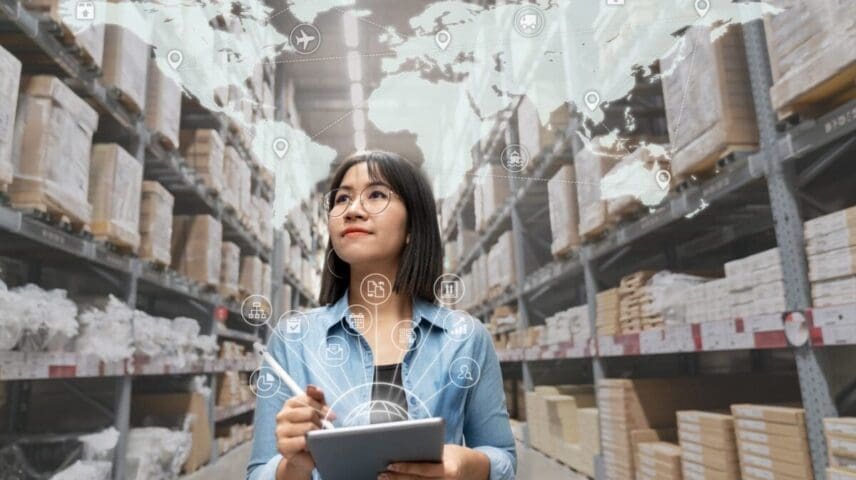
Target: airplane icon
[(304, 39)]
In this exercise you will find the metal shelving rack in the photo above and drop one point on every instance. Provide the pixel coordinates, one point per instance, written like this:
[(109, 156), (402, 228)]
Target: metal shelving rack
[(816, 144), (135, 281)]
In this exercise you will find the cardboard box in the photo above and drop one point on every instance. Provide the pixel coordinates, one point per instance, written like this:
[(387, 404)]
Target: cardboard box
[(840, 474), (844, 427), (713, 114), (501, 264), (229, 270), (590, 167), (842, 220), (90, 40), (203, 150), (787, 443), (564, 216), (51, 158), (163, 106), (156, 223), (776, 466), (835, 264), (771, 428), (695, 471), (125, 64), (769, 413), (10, 78), (196, 248), (250, 280), (491, 191), (837, 291), (536, 131), (115, 183), (800, 456), (719, 459), (174, 408)]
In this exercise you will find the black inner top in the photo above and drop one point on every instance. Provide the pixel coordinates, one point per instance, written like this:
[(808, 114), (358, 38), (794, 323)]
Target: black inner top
[(389, 403)]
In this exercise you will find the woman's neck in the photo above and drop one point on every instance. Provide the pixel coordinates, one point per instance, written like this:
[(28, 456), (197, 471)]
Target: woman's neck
[(398, 307)]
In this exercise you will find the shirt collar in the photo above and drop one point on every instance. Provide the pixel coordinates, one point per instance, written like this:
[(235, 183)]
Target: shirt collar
[(422, 310)]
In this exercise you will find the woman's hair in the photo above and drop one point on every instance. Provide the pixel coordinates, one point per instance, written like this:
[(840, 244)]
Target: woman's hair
[(422, 258)]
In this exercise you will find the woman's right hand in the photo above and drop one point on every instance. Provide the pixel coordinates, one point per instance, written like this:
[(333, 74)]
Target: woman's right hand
[(298, 416)]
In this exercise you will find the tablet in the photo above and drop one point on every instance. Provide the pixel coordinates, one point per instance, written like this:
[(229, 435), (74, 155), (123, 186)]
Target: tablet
[(362, 452)]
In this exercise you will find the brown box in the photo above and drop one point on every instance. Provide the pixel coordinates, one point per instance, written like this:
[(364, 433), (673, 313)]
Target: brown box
[(52, 150), (203, 150), (250, 280), (777, 466), (695, 471), (771, 428), (708, 99), (844, 427), (768, 413), (163, 106), (196, 247), (115, 183), (232, 178), (564, 216), (840, 474), (719, 459), (490, 192), (178, 406), (156, 223), (590, 167), (534, 134), (10, 78), (125, 64), (229, 270), (788, 443), (90, 40), (799, 456)]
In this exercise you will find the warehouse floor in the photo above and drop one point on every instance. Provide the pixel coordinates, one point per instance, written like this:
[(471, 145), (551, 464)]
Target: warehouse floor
[(531, 465)]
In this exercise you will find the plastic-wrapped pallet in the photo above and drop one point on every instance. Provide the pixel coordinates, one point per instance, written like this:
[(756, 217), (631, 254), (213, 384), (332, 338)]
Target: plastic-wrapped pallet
[(40, 320), (89, 40), (156, 453), (623, 186), (163, 106), (812, 46), (115, 181), (125, 65), (203, 149), (708, 99), (590, 168), (491, 191), (11, 324), (156, 223), (53, 132), (831, 249), (564, 216), (229, 270), (534, 134), (106, 332), (232, 177), (196, 247), (10, 78), (250, 280)]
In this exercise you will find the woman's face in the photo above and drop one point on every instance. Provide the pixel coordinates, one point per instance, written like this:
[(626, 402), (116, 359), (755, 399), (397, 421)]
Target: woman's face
[(361, 237)]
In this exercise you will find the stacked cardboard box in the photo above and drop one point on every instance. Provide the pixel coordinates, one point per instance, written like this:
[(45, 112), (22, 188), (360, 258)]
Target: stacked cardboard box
[(125, 64), (708, 99), (812, 46), (632, 298), (589, 425), (232, 178), (536, 134), (490, 192), (624, 184), (53, 144), (569, 324), (841, 442), (756, 284), (250, 279), (243, 204), (196, 248), (229, 270), (554, 422), (156, 223), (10, 78), (564, 216), (772, 442), (203, 150), (115, 181), (163, 106), (590, 167), (708, 302), (501, 268), (89, 40), (831, 249), (607, 312), (233, 388), (658, 461), (709, 448)]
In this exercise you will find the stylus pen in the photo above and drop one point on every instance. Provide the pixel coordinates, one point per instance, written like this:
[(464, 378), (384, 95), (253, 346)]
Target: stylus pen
[(285, 377)]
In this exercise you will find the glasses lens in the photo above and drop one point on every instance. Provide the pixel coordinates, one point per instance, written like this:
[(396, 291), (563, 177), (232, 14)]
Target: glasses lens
[(376, 198), (337, 202)]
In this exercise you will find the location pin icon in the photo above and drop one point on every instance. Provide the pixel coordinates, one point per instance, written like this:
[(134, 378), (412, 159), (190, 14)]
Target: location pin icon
[(280, 147), (443, 37), (592, 99), (174, 58), (701, 7), (664, 178)]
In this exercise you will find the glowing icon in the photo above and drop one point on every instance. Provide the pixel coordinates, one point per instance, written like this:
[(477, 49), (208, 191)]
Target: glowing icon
[(442, 39), (529, 21), (305, 38), (84, 10), (615, 3), (461, 328), (449, 289), (701, 7), (592, 99), (359, 320), (406, 336), (257, 313), (664, 178), (174, 59), (464, 373), (293, 326), (334, 353), (280, 147), (375, 289), (514, 158)]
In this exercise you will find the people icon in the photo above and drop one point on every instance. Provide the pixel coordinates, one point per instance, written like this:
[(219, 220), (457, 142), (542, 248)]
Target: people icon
[(464, 373)]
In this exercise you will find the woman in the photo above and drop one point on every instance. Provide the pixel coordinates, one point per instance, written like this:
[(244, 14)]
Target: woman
[(381, 349)]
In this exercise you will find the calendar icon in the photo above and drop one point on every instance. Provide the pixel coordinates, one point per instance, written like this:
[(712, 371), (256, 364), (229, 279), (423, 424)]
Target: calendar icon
[(85, 10)]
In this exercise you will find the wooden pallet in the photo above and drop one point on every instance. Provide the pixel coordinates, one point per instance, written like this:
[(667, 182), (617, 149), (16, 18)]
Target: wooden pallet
[(55, 217), (126, 101), (711, 166), (118, 238)]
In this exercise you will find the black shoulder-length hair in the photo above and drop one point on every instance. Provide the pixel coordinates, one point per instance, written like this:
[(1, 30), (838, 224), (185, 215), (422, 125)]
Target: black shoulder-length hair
[(422, 258)]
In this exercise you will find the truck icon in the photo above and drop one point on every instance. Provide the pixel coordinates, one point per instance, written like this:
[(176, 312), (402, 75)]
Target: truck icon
[(528, 21)]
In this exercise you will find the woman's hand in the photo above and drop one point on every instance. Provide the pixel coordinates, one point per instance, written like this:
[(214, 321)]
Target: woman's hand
[(459, 463), (298, 416)]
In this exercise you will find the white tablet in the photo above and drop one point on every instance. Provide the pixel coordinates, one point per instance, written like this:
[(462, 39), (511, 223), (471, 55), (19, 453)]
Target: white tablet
[(363, 452)]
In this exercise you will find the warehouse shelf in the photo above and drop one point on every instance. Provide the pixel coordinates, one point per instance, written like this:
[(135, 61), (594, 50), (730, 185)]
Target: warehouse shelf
[(222, 413), (556, 351), (232, 334)]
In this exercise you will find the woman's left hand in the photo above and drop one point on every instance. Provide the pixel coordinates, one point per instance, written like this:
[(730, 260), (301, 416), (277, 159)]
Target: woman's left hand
[(459, 463)]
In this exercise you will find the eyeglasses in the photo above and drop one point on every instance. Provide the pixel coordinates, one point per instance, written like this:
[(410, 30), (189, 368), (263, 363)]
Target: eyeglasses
[(374, 200)]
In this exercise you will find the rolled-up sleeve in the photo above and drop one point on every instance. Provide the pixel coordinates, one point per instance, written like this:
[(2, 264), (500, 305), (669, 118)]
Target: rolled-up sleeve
[(486, 425)]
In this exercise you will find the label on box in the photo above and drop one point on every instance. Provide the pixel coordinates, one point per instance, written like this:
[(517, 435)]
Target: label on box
[(842, 445), (758, 461), (689, 427), (751, 424), (839, 335), (751, 412), (693, 456), (753, 436), (760, 473), (756, 449), (837, 427)]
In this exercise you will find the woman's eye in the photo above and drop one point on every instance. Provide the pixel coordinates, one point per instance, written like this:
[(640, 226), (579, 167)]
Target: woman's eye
[(341, 198), (377, 194)]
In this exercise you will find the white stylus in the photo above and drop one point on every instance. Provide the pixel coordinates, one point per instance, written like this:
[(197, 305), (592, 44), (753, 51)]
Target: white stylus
[(284, 376)]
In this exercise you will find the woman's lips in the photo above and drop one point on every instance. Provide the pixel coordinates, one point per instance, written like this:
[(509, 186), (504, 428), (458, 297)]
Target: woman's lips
[(355, 234)]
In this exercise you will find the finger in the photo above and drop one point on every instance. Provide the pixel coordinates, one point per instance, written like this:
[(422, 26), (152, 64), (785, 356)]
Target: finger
[(301, 414), (306, 401), (290, 430), (402, 476), (291, 446), (422, 469), (317, 394)]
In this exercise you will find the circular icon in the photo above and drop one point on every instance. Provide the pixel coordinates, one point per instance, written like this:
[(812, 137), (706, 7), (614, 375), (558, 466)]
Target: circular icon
[(514, 158), (359, 318), (449, 289), (529, 21), (404, 335), (256, 310), (264, 383), (305, 38), (460, 325), (334, 351), (375, 288), (464, 372), (292, 326)]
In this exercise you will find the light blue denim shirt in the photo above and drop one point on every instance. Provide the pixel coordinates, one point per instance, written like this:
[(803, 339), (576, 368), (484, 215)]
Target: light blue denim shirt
[(449, 371)]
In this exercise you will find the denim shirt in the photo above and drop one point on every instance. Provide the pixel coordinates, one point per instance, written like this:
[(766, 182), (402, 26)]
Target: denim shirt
[(450, 370)]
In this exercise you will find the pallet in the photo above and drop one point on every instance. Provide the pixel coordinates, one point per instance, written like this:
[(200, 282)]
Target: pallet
[(116, 237), (711, 166), (55, 217), (126, 101), (164, 141), (157, 264)]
